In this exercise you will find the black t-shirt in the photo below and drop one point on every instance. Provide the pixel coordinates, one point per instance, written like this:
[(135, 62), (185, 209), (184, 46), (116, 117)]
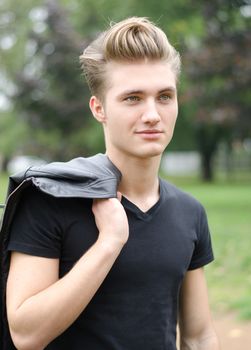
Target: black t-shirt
[(136, 305)]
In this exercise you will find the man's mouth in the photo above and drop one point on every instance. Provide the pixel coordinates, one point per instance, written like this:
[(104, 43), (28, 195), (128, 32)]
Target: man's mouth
[(149, 131), (150, 134)]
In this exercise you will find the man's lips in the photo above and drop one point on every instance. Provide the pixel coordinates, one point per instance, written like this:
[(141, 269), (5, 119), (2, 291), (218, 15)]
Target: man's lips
[(149, 131), (150, 134)]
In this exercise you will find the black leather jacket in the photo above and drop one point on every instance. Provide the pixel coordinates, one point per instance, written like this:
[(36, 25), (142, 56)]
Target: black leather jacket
[(93, 177)]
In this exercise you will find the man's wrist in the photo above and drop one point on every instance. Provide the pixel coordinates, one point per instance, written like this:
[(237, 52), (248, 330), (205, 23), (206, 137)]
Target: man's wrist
[(110, 246)]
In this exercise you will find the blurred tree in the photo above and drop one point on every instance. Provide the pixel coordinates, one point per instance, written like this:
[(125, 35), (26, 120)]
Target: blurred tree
[(12, 134), (220, 68), (12, 129), (50, 88)]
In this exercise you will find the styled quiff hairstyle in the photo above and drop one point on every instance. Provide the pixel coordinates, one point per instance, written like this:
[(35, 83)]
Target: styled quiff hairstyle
[(133, 39)]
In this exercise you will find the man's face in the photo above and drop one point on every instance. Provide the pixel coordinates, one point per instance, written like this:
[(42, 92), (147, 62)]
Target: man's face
[(140, 108)]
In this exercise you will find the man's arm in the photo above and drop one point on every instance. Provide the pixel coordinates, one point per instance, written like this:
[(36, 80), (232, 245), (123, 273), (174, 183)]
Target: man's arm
[(195, 323), (39, 305)]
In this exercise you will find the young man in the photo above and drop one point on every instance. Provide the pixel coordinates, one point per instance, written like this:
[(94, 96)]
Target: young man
[(116, 274)]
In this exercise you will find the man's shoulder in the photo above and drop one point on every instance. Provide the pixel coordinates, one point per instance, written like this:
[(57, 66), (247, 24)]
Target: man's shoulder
[(174, 193)]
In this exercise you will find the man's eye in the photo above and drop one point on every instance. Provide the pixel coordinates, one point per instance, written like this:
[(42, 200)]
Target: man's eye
[(165, 97), (132, 98)]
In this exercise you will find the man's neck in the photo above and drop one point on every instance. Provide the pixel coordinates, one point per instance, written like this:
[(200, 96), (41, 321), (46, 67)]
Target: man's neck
[(140, 182)]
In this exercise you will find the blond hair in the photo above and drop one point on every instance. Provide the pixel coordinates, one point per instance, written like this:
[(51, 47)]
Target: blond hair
[(135, 38)]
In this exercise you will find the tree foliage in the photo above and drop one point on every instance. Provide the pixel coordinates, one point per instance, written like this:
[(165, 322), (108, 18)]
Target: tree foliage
[(220, 69), (50, 87)]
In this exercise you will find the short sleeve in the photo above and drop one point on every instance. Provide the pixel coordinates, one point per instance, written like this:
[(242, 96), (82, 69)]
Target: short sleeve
[(203, 252), (37, 225)]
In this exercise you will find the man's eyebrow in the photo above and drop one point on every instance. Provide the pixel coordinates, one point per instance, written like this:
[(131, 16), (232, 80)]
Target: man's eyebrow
[(135, 92), (131, 92), (168, 88)]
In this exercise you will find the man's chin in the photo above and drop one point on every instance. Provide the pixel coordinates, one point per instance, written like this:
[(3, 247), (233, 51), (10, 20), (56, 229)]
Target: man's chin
[(151, 153)]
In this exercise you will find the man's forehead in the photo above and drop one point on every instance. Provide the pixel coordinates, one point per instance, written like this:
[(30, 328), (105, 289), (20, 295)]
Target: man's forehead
[(138, 77)]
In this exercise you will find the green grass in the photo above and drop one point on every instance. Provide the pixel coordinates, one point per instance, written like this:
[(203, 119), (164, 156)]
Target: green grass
[(3, 188), (228, 205)]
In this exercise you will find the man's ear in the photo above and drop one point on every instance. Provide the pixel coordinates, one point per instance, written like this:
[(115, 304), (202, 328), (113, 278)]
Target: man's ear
[(97, 109)]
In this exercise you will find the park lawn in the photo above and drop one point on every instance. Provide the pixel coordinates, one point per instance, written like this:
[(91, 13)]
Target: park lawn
[(228, 206)]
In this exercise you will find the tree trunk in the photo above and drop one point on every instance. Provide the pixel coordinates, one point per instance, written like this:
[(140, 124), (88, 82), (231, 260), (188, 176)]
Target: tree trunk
[(207, 169), (207, 137), (4, 164)]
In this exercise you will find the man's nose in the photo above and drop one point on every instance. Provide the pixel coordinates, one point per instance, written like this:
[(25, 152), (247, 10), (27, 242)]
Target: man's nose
[(150, 114)]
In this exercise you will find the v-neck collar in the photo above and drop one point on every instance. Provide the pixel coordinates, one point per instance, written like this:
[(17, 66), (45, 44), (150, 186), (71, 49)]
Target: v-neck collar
[(143, 215)]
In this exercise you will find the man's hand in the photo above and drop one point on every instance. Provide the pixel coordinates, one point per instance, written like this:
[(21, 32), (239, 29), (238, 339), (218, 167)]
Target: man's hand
[(111, 220)]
